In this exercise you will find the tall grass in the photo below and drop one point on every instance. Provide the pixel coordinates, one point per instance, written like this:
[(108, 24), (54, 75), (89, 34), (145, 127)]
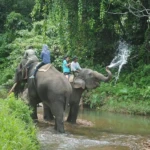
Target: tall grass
[(17, 131)]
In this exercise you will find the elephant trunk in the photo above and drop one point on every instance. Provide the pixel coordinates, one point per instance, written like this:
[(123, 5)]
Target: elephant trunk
[(103, 78)]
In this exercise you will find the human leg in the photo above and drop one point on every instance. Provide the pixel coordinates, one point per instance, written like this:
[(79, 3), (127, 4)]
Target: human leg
[(66, 75), (36, 69)]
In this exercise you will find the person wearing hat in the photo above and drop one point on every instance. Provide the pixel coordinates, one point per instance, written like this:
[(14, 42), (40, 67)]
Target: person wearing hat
[(45, 56), (75, 67), (66, 67)]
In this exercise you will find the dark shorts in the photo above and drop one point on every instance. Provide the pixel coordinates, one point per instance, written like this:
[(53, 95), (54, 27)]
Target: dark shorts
[(67, 73)]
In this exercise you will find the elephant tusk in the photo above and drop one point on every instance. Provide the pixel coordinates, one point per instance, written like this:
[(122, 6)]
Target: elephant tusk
[(12, 88)]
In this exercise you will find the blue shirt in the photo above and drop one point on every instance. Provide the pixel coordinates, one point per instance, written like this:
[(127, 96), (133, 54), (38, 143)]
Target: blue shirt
[(45, 56), (65, 67)]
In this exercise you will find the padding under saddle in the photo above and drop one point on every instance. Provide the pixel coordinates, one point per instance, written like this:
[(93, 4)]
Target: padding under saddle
[(71, 78), (45, 68)]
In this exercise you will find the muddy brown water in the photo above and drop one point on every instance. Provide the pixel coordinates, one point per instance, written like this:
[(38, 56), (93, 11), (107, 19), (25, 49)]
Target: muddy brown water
[(97, 131)]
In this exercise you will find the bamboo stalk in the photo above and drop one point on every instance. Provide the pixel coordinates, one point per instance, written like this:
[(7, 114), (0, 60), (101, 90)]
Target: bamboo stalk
[(12, 89)]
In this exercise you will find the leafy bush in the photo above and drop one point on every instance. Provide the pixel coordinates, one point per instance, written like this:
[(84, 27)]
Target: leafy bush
[(17, 129), (3, 92), (120, 98)]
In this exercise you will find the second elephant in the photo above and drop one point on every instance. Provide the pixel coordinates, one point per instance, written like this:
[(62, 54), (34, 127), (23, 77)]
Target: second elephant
[(86, 79)]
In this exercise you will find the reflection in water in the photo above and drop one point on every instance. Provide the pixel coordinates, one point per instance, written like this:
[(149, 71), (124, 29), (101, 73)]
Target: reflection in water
[(118, 123), (110, 132)]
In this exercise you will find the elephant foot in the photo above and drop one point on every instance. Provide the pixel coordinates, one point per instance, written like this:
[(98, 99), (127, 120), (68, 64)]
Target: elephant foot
[(73, 122), (59, 125), (60, 130), (70, 121)]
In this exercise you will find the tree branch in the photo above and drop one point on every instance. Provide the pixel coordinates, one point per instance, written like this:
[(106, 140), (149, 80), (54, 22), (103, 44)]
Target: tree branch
[(137, 9)]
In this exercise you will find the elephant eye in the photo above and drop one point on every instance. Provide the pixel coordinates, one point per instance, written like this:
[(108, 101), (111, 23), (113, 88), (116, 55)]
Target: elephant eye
[(90, 74)]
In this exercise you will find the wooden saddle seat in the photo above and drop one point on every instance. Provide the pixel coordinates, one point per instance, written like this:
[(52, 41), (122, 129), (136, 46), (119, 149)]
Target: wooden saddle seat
[(45, 68)]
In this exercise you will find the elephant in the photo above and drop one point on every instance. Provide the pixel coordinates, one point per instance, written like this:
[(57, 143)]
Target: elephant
[(50, 87), (86, 79)]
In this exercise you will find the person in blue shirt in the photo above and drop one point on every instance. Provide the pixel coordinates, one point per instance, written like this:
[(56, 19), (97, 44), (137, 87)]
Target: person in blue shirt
[(45, 56), (66, 67)]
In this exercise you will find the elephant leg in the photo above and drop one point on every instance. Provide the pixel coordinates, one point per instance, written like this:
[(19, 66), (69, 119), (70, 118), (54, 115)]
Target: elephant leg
[(48, 116), (69, 116), (55, 127), (72, 117), (58, 111), (34, 112), (59, 124), (34, 109)]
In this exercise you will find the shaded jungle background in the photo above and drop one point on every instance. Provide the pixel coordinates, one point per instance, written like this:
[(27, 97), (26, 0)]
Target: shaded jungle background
[(89, 29)]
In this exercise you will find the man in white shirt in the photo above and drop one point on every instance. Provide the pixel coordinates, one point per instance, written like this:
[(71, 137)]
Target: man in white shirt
[(75, 67)]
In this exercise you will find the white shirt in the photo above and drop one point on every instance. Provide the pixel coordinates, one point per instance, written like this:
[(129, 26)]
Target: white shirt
[(29, 54), (75, 66)]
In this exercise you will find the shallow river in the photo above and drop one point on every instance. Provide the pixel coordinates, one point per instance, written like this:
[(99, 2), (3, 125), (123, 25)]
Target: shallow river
[(98, 131)]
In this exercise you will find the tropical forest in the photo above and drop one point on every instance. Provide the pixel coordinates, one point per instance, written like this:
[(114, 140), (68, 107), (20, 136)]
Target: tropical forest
[(100, 33)]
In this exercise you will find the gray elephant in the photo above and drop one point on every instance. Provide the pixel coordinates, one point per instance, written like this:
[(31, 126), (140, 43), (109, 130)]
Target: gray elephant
[(50, 87), (86, 79)]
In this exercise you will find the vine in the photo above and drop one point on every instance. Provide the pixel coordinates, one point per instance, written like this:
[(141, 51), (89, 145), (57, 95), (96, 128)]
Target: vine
[(102, 10)]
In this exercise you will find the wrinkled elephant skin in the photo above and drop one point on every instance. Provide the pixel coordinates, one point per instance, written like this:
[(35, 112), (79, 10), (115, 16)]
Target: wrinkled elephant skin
[(51, 88), (86, 79)]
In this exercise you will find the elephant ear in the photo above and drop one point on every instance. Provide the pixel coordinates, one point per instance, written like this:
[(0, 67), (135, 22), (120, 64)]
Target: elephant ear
[(79, 83)]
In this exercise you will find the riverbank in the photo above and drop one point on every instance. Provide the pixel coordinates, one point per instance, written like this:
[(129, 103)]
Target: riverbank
[(120, 98), (124, 107)]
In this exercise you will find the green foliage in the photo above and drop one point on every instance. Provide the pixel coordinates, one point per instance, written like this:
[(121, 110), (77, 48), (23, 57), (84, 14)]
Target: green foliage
[(16, 48), (121, 97), (58, 63), (139, 77), (129, 107), (89, 29), (102, 10), (15, 22), (19, 6), (3, 92), (17, 129)]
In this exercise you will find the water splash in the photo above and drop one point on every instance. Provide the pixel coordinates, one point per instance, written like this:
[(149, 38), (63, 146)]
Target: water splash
[(123, 52)]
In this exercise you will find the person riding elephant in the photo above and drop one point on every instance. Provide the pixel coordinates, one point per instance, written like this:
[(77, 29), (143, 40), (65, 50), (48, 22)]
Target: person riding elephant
[(86, 79), (28, 58), (66, 67), (45, 56), (50, 87), (75, 67)]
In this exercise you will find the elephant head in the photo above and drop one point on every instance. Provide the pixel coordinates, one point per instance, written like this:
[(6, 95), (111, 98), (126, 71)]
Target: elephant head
[(90, 79), (19, 78)]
